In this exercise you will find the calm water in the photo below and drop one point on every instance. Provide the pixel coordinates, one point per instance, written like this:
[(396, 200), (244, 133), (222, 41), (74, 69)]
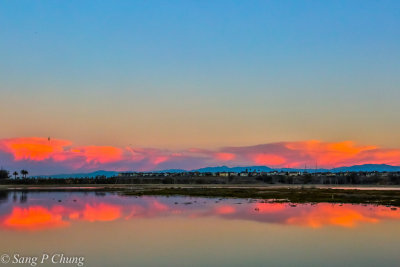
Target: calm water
[(111, 230)]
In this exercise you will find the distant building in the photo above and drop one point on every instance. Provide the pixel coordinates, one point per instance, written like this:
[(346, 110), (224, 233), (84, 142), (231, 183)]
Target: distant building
[(227, 174), (128, 174)]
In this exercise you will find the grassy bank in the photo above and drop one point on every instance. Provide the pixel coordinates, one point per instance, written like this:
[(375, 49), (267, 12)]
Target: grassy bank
[(277, 193), (280, 194)]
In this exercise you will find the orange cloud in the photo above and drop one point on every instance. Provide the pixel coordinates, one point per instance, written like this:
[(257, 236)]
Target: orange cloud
[(325, 154), (101, 154), (283, 154), (331, 153), (33, 148), (269, 159), (386, 156)]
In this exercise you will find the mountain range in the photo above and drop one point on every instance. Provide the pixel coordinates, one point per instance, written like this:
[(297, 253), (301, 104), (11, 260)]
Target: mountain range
[(355, 168)]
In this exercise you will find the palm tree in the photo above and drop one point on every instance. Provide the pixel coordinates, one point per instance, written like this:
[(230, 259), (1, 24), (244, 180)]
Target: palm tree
[(24, 173), (15, 174)]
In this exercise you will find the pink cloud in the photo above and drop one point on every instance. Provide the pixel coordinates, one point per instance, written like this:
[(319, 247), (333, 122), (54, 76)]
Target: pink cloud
[(269, 159), (44, 154), (101, 154), (159, 159), (225, 156), (33, 148)]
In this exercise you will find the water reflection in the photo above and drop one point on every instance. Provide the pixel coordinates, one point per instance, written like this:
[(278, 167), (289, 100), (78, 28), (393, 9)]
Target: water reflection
[(3, 196), (41, 211)]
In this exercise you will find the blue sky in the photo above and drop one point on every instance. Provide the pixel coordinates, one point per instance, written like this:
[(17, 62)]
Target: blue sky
[(181, 74)]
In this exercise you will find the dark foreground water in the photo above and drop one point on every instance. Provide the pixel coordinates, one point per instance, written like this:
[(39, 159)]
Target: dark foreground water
[(92, 229)]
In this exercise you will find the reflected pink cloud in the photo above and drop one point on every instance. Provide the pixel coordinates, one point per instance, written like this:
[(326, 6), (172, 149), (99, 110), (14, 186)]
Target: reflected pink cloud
[(225, 209), (326, 214), (306, 215), (269, 208), (40, 217), (158, 206), (101, 212), (33, 218)]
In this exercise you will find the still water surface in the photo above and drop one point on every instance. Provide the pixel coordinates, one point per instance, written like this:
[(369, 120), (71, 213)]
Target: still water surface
[(111, 230)]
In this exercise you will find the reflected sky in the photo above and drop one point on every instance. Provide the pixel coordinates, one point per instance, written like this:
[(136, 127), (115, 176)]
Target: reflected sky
[(113, 230), (40, 211)]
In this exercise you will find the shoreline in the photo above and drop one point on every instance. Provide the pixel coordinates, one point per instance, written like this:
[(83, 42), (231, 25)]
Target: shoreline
[(374, 195), (260, 185)]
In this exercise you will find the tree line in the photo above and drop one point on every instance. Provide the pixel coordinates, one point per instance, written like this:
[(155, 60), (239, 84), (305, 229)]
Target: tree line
[(306, 178), (4, 174)]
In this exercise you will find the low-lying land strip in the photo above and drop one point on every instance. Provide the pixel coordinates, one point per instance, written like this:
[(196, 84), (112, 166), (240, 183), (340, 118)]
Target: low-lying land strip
[(282, 194), (275, 193)]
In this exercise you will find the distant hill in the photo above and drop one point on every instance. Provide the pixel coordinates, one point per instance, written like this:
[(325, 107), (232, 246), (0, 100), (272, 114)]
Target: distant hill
[(172, 171), (355, 168), (235, 169), (309, 170), (368, 168)]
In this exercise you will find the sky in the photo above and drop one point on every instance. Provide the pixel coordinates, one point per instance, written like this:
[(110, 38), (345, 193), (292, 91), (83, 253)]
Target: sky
[(166, 78)]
